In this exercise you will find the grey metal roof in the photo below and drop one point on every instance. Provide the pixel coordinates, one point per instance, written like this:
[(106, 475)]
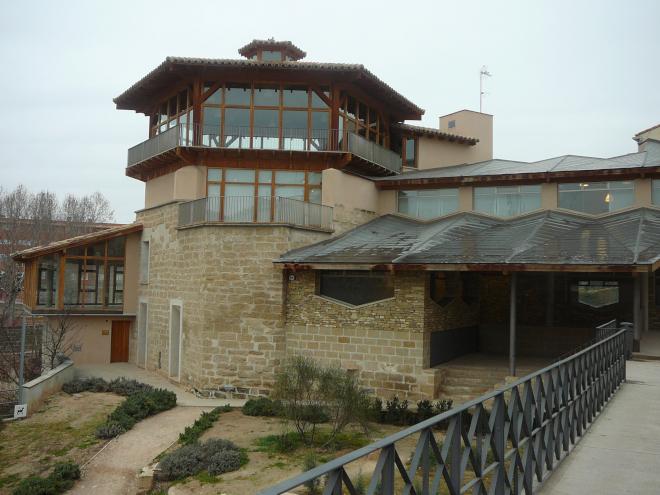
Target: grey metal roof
[(550, 237), (567, 163)]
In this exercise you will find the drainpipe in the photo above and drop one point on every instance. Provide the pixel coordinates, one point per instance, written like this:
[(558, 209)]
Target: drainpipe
[(512, 324)]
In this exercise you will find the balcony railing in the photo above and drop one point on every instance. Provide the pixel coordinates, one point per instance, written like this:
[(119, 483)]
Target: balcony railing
[(255, 209), (266, 138)]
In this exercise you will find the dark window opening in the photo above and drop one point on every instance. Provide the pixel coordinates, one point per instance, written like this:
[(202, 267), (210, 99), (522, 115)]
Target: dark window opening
[(597, 293), (356, 288)]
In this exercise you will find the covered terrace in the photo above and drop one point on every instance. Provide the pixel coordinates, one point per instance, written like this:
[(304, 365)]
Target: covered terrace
[(540, 283)]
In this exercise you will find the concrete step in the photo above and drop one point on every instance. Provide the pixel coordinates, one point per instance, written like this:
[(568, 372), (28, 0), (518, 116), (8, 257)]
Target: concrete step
[(471, 380)]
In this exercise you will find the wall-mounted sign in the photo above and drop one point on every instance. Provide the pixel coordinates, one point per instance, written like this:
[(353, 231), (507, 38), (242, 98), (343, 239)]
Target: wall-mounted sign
[(105, 331), (20, 411)]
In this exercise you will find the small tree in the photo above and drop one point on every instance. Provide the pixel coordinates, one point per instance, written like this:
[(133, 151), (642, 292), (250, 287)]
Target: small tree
[(59, 338), (313, 394)]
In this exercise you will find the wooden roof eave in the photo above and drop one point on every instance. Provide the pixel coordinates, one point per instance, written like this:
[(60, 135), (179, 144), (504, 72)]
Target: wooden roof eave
[(500, 179), (60, 246), (469, 267)]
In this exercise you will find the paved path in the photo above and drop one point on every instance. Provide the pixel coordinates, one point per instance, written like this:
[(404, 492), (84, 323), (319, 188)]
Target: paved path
[(114, 470), (621, 451), (127, 370)]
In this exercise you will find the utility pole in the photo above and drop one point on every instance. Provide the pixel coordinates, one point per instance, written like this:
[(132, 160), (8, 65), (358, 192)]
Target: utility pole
[(482, 73)]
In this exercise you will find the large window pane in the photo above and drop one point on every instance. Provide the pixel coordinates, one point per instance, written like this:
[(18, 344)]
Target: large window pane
[(317, 101), (410, 152), (116, 247), (239, 203), (429, 203), (271, 56), (356, 288), (239, 175), (293, 192), (237, 95), (115, 283), (289, 177), (596, 197), (294, 129), (215, 98), (237, 128), (507, 201), (211, 126), (267, 97), (295, 97), (265, 133)]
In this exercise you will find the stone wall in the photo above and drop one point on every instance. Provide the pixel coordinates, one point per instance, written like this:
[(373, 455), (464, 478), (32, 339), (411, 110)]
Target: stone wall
[(345, 218), (385, 342), (231, 296)]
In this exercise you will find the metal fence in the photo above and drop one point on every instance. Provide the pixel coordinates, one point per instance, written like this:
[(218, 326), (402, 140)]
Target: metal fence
[(505, 441), (255, 209), (265, 138), (8, 399)]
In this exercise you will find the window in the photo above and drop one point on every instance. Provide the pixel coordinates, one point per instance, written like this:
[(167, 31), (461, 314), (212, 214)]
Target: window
[(177, 109), (47, 283), (507, 201), (597, 293), (357, 117), (94, 274), (355, 288), (409, 159), (144, 262), (451, 124), (265, 117), (656, 192), (596, 197), (428, 203)]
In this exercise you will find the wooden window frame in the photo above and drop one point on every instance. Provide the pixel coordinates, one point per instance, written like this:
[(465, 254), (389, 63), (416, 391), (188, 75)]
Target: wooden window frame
[(307, 186)]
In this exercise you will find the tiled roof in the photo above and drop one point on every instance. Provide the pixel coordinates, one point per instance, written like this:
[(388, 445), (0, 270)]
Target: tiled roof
[(80, 240), (145, 85), (650, 158), (549, 237), (437, 133), (255, 45)]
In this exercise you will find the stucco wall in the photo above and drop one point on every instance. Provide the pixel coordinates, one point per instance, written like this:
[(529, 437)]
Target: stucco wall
[(91, 336), (231, 296), (355, 200), (36, 391)]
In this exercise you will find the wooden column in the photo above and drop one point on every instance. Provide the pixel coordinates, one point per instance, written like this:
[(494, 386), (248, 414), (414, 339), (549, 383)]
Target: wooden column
[(636, 311), (512, 323), (550, 300), (644, 294)]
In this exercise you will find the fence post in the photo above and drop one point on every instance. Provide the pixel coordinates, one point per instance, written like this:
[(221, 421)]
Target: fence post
[(21, 364), (628, 327)]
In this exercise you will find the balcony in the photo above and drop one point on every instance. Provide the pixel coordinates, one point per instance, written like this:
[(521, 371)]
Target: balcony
[(366, 155), (255, 210)]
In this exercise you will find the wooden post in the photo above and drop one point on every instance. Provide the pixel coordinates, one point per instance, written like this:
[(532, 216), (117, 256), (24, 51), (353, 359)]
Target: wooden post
[(550, 300), (512, 324), (644, 294), (636, 311)]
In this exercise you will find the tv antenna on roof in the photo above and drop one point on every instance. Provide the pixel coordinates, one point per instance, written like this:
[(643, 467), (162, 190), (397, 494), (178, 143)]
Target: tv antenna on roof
[(482, 73)]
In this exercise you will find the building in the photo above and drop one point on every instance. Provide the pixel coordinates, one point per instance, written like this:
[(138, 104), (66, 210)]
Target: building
[(290, 209)]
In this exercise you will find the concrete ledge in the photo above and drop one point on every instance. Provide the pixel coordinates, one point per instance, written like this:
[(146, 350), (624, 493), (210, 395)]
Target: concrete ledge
[(36, 391)]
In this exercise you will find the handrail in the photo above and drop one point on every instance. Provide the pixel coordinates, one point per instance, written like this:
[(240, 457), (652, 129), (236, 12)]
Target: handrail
[(256, 210), (560, 391), (267, 138)]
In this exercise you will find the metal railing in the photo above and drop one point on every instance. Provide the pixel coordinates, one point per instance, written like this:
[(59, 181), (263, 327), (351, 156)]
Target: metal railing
[(9, 397), (265, 138), (506, 441), (255, 209)]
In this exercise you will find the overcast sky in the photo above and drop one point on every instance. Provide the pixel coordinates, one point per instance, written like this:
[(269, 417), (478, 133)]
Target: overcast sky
[(577, 77)]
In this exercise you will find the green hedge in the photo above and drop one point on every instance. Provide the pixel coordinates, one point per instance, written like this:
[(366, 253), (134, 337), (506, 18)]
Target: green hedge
[(59, 481), (193, 432)]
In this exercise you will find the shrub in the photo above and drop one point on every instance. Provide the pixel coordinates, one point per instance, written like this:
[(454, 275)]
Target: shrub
[(86, 385), (262, 406), (193, 432), (425, 410), (60, 480), (66, 471), (396, 411), (313, 486), (216, 456), (183, 462), (224, 462), (135, 408), (311, 394), (124, 386)]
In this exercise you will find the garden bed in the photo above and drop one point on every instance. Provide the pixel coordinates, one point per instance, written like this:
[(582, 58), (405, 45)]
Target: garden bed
[(64, 429)]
